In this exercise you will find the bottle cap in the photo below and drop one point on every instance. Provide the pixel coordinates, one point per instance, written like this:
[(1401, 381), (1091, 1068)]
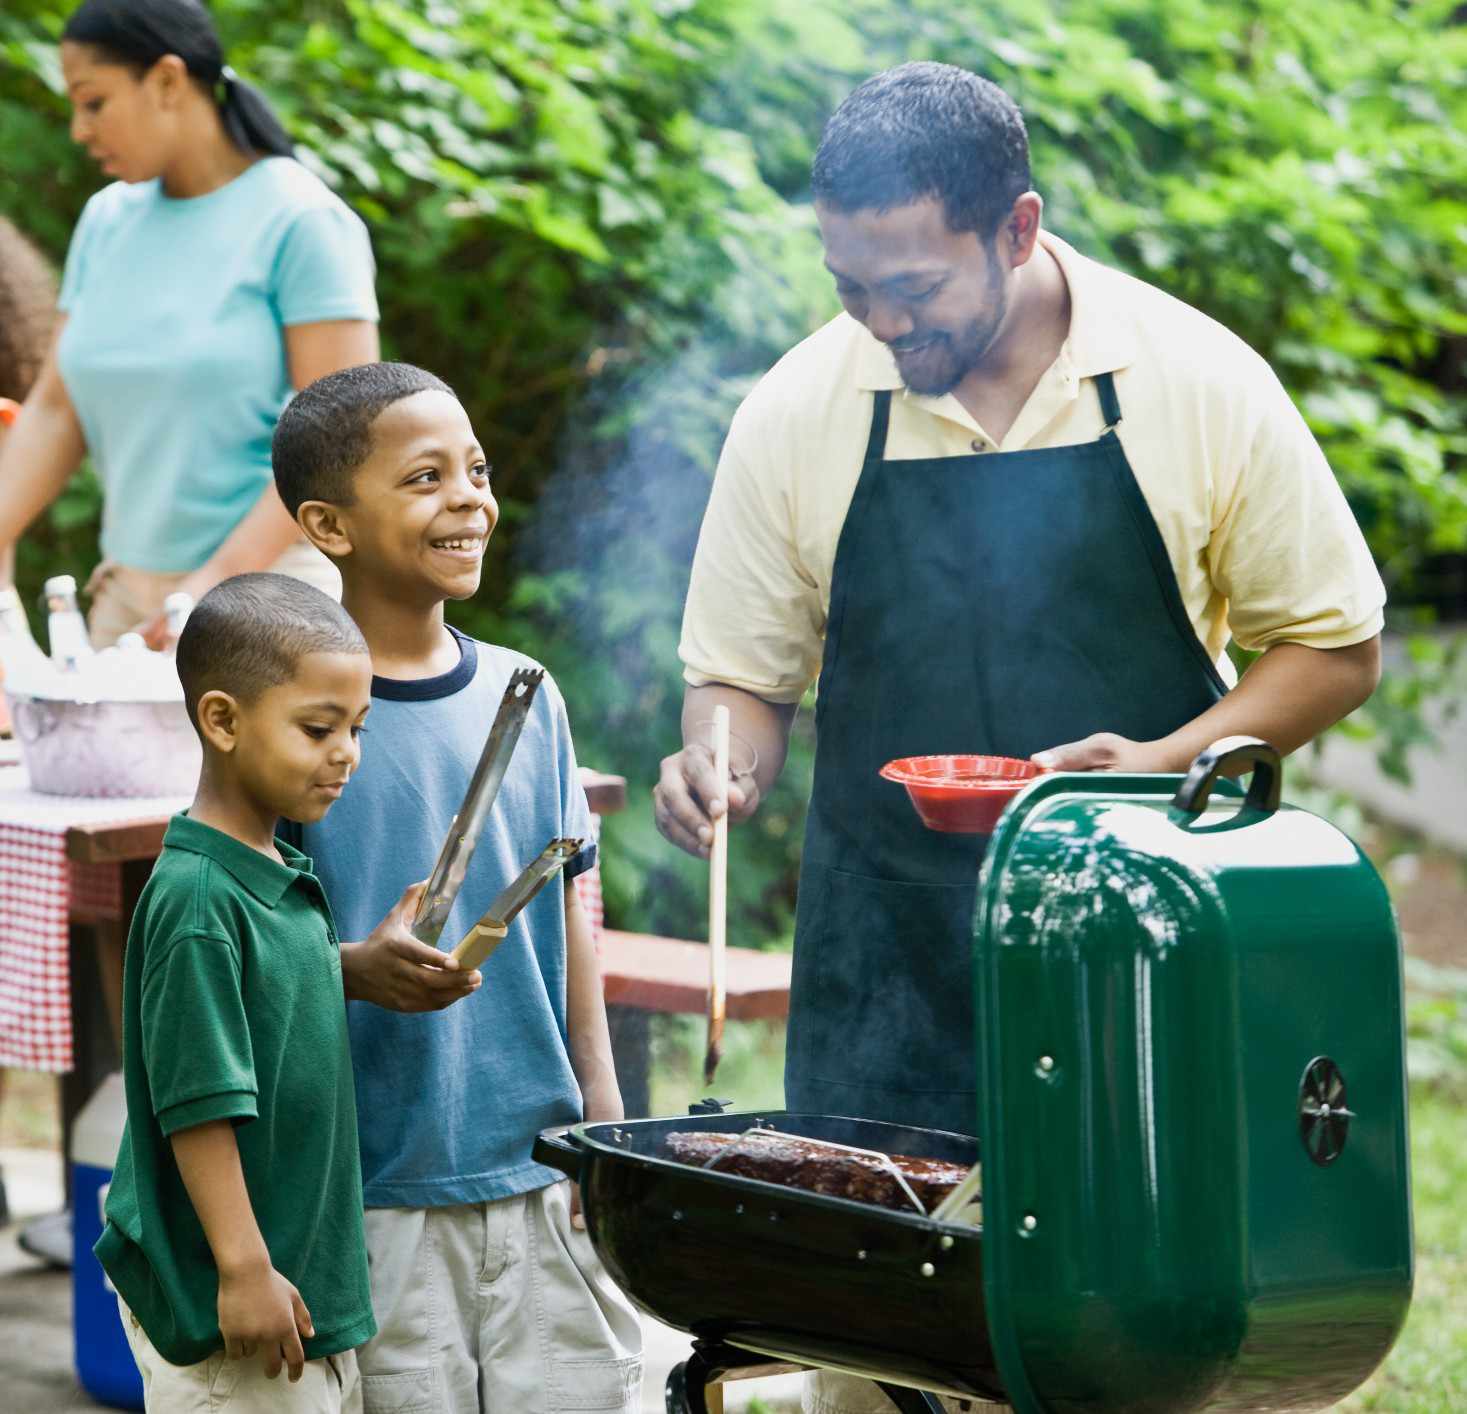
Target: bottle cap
[(60, 584)]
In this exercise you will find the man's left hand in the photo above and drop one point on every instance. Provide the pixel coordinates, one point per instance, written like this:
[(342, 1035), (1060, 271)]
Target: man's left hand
[(1105, 751)]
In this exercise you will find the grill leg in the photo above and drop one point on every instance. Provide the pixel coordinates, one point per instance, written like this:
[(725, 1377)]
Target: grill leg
[(911, 1401), (691, 1387)]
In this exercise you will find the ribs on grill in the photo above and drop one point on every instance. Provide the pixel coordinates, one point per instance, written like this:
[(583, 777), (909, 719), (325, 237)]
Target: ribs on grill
[(817, 1167)]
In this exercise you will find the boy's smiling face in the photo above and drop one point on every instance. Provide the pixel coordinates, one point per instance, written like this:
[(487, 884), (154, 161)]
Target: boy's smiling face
[(421, 511)]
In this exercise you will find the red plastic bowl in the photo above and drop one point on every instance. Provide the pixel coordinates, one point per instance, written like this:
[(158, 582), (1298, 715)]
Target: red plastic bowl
[(961, 795)]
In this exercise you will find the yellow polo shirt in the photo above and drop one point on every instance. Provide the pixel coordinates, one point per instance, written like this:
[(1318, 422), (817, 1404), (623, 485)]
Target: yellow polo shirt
[(1262, 542)]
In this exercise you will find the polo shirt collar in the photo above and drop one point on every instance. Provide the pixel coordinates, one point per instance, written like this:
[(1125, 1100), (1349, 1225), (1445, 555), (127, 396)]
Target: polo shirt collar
[(261, 876), (1102, 335)]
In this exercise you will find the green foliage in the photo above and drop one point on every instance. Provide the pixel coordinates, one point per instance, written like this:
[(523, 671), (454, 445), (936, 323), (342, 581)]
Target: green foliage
[(1426, 1372), (1436, 1023), (590, 216)]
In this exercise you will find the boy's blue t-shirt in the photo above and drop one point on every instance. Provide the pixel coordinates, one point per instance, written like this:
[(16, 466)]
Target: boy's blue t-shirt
[(449, 1102), (174, 351)]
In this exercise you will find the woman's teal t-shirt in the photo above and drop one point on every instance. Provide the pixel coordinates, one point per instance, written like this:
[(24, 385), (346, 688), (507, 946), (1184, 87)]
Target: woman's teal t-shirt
[(174, 349)]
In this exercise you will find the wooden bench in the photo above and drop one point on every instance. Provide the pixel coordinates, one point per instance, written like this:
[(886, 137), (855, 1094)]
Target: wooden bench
[(666, 974), (642, 974)]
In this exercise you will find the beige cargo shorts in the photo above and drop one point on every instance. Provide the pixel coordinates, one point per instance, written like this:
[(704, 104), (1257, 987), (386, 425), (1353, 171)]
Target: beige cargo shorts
[(502, 1307), (328, 1386)]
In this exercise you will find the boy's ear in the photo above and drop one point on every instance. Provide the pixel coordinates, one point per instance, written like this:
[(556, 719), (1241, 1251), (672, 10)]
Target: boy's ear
[(324, 528), (218, 718)]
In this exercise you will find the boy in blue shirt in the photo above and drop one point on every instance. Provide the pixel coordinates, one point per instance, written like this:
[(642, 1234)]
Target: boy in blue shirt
[(488, 1296)]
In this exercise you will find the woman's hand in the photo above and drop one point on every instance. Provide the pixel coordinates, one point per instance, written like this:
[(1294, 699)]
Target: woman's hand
[(155, 631), (262, 1313)]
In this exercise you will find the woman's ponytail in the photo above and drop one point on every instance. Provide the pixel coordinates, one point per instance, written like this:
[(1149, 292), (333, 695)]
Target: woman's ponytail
[(249, 119), (140, 32)]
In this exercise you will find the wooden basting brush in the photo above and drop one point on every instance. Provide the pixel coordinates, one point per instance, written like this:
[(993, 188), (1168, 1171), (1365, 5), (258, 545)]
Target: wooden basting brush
[(718, 903)]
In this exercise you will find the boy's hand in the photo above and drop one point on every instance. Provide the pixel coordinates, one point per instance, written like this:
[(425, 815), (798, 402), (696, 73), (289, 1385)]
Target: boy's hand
[(393, 969), (262, 1313)]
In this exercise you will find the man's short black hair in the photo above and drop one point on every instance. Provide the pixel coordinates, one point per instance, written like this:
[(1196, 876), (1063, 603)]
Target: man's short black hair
[(926, 130), (325, 432), (250, 632)]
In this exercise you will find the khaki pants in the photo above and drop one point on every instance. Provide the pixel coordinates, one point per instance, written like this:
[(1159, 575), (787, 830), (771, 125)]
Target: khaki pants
[(123, 599), (217, 1385), (829, 1393), (497, 1307)]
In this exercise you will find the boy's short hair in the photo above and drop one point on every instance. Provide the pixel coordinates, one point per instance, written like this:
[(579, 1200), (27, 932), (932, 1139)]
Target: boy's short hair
[(250, 632), (27, 312), (325, 432)]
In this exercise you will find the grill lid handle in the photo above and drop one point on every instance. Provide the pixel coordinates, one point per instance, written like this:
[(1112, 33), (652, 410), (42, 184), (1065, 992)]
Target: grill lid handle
[(1225, 758), (556, 1148)]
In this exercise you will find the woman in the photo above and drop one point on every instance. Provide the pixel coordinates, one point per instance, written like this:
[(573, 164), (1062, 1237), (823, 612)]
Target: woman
[(213, 276)]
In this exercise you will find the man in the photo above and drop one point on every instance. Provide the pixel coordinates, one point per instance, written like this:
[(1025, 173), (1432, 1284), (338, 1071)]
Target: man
[(1010, 502)]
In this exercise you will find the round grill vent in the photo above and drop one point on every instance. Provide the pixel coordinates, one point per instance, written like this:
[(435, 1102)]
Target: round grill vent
[(1324, 1118)]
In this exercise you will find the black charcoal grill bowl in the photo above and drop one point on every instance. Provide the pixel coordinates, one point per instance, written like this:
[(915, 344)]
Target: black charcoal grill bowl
[(795, 1276)]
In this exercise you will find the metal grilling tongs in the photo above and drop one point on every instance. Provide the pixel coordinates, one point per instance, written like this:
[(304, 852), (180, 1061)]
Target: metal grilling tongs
[(489, 931), (468, 824)]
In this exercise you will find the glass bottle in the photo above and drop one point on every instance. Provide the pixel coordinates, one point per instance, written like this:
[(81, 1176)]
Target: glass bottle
[(68, 630), (18, 647), (176, 609)]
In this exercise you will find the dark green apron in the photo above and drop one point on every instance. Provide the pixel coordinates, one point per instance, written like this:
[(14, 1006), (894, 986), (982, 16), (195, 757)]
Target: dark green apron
[(996, 603)]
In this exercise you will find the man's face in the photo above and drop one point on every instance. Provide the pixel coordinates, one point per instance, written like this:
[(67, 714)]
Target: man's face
[(935, 297)]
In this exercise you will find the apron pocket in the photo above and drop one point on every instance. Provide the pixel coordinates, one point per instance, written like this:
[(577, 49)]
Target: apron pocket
[(893, 1007)]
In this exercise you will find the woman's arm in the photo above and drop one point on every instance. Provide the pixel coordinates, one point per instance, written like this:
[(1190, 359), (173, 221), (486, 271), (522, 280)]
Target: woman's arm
[(37, 457), (312, 351)]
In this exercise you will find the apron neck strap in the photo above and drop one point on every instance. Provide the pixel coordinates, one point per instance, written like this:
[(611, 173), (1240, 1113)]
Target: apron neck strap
[(1105, 387), (1110, 405), (880, 417)]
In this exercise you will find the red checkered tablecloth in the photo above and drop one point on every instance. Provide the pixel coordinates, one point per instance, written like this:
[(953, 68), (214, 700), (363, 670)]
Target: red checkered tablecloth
[(40, 889)]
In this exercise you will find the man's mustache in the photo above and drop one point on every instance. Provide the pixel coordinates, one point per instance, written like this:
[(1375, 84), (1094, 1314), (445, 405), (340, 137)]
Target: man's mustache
[(907, 345)]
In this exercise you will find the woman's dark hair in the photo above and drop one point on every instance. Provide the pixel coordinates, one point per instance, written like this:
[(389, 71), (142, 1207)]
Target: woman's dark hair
[(137, 33), (926, 130), (27, 312)]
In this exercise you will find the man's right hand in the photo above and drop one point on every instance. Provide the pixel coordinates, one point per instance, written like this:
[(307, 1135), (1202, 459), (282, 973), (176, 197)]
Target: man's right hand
[(688, 797), (261, 1313), (392, 969)]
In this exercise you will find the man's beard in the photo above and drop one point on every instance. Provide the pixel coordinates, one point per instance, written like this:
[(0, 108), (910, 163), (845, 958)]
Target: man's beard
[(949, 358)]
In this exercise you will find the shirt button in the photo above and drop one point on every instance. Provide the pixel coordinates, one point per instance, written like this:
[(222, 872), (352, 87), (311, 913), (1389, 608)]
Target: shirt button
[(978, 446)]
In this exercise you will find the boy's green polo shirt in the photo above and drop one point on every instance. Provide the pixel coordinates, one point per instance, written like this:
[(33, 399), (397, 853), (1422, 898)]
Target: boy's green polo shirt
[(233, 1009)]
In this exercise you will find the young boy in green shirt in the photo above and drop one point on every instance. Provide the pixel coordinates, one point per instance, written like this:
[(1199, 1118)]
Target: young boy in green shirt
[(234, 1220)]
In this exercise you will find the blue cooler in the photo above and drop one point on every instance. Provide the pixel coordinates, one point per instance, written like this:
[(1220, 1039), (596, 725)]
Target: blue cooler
[(104, 1362)]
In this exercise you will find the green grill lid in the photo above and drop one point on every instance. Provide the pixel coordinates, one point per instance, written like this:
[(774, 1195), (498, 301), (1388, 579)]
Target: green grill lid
[(1193, 1097)]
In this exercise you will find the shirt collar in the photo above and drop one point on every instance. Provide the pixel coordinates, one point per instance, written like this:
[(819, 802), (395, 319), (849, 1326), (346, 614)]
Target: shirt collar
[(1102, 335), (262, 876)]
